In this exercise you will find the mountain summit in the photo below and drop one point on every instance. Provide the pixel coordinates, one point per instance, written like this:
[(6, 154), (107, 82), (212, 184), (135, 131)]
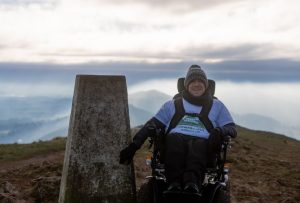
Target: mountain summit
[(264, 167)]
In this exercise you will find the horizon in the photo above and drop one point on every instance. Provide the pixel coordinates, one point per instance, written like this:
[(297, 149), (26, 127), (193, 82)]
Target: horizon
[(238, 97)]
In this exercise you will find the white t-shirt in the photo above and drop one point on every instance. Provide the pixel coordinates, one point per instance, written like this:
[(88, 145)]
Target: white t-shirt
[(188, 125)]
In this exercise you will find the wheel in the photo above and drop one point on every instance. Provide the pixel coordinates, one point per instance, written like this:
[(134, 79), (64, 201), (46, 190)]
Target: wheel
[(145, 194), (151, 192), (222, 194)]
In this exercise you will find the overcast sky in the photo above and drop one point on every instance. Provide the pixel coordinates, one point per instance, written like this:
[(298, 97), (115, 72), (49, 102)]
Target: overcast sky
[(71, 31), (251, 47)]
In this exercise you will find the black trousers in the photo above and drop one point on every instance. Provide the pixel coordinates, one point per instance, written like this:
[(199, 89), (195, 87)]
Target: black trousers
[(185, 159)]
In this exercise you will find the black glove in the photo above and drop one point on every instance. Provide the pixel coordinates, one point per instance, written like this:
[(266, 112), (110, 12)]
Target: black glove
[(215, 140), (127, 154)]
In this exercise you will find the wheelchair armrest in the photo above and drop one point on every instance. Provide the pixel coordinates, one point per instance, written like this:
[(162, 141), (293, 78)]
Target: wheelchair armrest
[(151, 130)]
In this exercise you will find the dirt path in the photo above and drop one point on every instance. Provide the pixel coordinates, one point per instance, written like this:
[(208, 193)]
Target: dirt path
[(21, 181)]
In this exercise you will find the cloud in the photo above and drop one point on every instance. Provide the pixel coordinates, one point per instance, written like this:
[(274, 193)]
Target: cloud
[(96, 31), (2, 46), (172, 5), (167, 86), (204, 53), (231, 52), (261, 71), (14, 3), (33, 90), (276, 100)]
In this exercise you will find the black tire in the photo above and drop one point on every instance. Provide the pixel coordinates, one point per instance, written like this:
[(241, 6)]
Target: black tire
[(222, 195), (151, 192), (145, 194)]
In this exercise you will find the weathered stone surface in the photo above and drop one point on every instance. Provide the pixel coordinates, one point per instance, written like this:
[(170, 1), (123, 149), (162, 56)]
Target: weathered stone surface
[(99, 129)]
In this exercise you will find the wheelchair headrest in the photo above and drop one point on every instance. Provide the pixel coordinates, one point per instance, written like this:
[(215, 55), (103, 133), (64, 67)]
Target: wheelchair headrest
[(211, 85)]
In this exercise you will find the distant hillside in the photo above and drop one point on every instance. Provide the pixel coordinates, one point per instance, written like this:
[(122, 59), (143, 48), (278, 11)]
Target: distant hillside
[(27, 131), (256, 121), (264, 167), (33, 108), (138, 116), (28, 119), (259, 122)]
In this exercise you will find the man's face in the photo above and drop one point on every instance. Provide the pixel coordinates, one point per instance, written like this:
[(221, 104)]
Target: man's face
[(196, 88)]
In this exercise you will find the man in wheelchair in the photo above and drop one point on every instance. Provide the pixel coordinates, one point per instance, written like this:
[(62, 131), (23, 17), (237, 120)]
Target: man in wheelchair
[(193, 128)]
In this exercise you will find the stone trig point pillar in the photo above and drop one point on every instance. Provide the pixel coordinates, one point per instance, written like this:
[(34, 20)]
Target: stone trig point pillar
[(99, 129)]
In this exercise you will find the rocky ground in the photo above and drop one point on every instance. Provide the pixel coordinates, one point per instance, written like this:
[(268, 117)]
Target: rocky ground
[(33, 180), (263, 168)]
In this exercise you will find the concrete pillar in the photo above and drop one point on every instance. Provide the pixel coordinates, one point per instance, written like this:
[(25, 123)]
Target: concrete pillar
[(99, 128)]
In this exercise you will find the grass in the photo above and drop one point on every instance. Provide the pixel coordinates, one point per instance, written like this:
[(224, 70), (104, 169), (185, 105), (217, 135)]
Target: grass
[(264, 167), (14, 152), (247, 141)]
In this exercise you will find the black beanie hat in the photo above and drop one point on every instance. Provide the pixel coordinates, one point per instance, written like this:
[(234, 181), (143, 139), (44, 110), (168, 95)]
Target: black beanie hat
[(195, 72)]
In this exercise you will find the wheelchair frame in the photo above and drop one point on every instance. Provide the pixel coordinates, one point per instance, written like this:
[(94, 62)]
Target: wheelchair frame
[(216, 179)]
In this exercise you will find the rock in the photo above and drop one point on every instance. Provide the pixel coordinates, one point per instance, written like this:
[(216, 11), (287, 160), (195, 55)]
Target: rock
[(8, 193), (45, 189), (7, 198), (7, 187), (99, 129)]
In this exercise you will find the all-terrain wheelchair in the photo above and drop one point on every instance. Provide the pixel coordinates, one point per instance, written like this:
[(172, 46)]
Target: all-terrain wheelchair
[(216, 185)]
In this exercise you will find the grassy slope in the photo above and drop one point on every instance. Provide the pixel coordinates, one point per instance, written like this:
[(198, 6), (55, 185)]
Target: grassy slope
[(15, 152), (265, 167)]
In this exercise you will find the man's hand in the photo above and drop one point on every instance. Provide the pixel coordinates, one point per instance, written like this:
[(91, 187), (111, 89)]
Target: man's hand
[(127, 154)]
